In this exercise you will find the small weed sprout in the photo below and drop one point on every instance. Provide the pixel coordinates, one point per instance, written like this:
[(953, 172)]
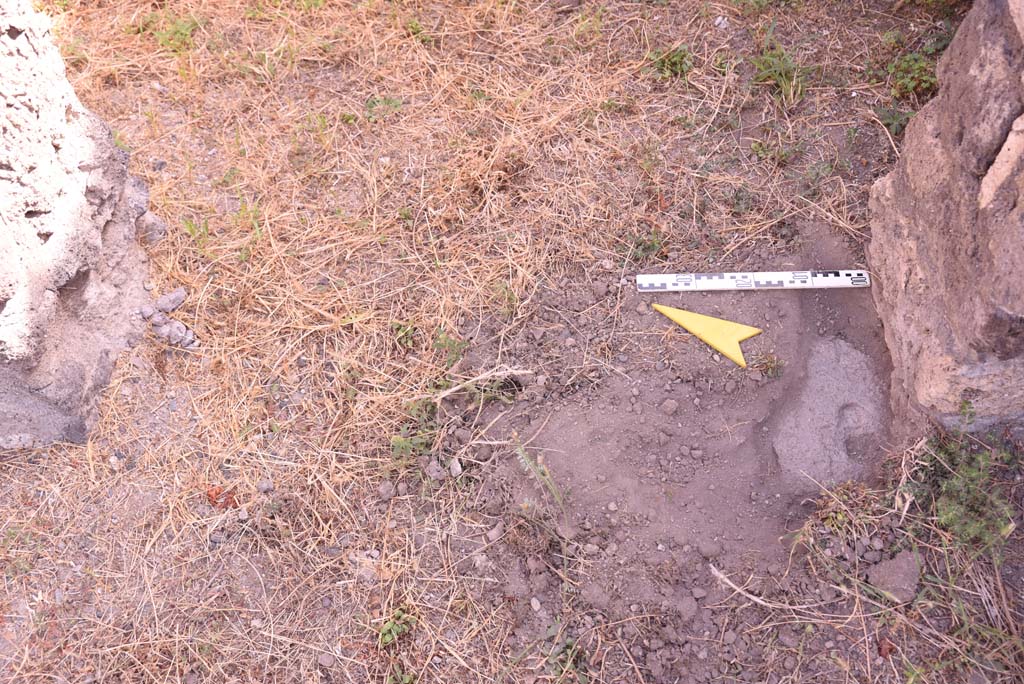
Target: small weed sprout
[(405, 333), (416, 30), (912, 75), (675, 63), (894, 119), (776, 68), (451, 347), (646, 245), (398, 624), (378, 108)]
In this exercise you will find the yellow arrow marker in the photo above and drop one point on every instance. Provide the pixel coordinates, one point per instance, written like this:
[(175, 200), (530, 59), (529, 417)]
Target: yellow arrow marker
[(725, 336)]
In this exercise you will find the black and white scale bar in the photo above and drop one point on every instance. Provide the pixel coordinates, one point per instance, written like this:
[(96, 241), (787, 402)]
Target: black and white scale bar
[(751, 280)]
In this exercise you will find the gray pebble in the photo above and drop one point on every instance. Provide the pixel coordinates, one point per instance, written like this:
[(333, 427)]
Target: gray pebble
[(176, 332), (494, 534), (386, 490), (325, 660), (669, 407), (535, 604), (455, 467), (147, 311), (217, 537), (172, 300), (264, 486)]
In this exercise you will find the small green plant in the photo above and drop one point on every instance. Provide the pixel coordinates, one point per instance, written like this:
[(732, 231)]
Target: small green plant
[(398, 624), (540, 472), (416, 30), (776, 68), (404, 332), (912, 75), (894, 119), (774, 151), (378, 108), (569, 663), (399, 676), (416, 438), (198, 231), (120, 143), (959, 477), (507, 298), (451, 347), (646, 245), (249, 217), (675, 63)]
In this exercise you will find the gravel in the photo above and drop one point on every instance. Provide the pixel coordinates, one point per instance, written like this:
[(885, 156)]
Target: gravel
[(172, 300)]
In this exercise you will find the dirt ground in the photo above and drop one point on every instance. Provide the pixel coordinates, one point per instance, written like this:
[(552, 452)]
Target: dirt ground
[(432, 432)]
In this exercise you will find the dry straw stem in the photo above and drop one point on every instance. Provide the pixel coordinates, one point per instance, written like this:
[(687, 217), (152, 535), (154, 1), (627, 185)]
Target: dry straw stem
[(347, 199)]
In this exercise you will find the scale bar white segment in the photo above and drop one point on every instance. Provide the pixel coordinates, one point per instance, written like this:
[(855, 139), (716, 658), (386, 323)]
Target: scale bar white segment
[(751, 280)]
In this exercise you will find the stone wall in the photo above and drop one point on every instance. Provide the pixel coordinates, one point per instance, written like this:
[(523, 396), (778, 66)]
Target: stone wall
[(947, 244)]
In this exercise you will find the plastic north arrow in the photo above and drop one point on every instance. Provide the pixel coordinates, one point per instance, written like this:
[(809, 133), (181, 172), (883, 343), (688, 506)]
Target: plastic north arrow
[(725, 336)]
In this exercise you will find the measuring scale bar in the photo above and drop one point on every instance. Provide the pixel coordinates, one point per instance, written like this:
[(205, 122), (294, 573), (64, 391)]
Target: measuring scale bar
[(750, 280)]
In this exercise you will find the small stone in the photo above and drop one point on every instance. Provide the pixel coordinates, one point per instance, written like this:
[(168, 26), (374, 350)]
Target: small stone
[(688, 608), (455, 467), (599, 290), (721, 22), (434, 471), (898, 577), (709, 549), (535, 604), (172, 300), (403, 489), (386, 490), (325, 660), (641, 308), (730, 386), (697, 453), (264, 486), (150, 227), (591, 549), (217, 537), (243, 514), (326, 602), (494, 534), (191, 678), (606, 264), (729, 638), (684, 450), (699, 593), (147, 311), (669, 407), (176, 332), (613, 506)]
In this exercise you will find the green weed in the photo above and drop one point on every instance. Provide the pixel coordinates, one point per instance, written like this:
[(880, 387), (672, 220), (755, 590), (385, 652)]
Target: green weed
[(646, 245), (416, 30), (959, 478), (894, 119), (774, 151), (398, 624), (404, 332), (198, 231), (912, 75), (675, 63), (776, 68), (171, 32), (417, 437), (378, 108), (452, 347)]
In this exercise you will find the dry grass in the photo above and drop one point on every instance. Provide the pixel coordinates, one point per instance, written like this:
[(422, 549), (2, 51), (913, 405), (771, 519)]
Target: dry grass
[(350, 189)]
